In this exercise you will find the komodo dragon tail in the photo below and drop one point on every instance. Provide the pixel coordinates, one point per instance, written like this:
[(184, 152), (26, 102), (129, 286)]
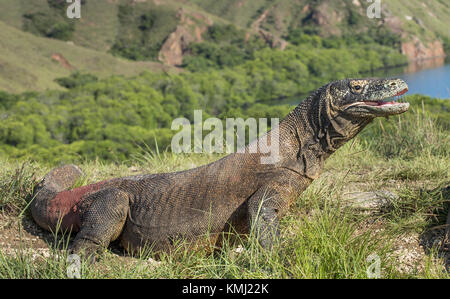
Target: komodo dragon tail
[(57, 180)]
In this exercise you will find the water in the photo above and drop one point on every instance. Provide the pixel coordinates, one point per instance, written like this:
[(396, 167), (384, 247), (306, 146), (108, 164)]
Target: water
[(430, 77), (433, 82)]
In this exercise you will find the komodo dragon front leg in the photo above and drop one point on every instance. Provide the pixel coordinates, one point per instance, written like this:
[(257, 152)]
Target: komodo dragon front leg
[(104, 216), (269, 203), (262, 212)]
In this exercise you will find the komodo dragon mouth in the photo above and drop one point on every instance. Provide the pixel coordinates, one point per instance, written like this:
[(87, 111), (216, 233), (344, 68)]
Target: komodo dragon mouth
[(382, 102), (388, 101)]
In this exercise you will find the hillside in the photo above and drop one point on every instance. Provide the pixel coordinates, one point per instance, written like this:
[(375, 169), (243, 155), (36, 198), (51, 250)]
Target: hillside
[(414, 17), (164, 29), (419, 25), (28, 62), (96, 29), (175, 31)]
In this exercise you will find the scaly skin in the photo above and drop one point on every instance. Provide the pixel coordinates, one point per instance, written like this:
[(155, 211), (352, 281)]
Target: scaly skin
[(237, 191)]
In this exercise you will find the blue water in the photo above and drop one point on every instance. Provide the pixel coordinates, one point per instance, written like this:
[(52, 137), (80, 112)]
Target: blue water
[(431, 82), (429, 77)]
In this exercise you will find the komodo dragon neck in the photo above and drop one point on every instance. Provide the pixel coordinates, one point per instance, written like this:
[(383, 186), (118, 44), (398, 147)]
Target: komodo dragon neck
[(312, 132)]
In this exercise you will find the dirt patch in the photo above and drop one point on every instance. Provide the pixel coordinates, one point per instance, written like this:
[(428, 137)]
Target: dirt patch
[(62, 61), (25, 236), (409, 254), (23, 233)]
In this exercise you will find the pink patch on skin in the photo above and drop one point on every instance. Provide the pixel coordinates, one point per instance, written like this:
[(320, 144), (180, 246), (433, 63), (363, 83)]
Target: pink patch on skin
[(65, 205)]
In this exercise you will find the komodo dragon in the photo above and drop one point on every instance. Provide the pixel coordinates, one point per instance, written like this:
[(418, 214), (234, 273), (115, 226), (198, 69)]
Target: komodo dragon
[(236, 191)]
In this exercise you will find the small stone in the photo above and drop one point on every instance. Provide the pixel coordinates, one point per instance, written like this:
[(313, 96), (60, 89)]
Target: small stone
[(153, 263), (375, 200)]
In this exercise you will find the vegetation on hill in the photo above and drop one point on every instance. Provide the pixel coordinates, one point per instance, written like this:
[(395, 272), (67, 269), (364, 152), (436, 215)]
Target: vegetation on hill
[(224, 46), (332, 17), (143, 30), (112, 23), (51, 21)]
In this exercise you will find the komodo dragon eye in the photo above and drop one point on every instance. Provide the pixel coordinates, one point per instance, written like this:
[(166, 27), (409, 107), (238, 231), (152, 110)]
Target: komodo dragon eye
[(357, 85)]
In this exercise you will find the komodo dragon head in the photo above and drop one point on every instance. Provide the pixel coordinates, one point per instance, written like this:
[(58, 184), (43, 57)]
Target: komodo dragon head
[(338, 111), (347, 106), (343, 108), (369, 98)]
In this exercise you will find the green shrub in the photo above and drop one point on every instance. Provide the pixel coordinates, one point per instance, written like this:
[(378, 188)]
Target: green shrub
[(143, 31), (224, 46), (51, 22), (76, 79)]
